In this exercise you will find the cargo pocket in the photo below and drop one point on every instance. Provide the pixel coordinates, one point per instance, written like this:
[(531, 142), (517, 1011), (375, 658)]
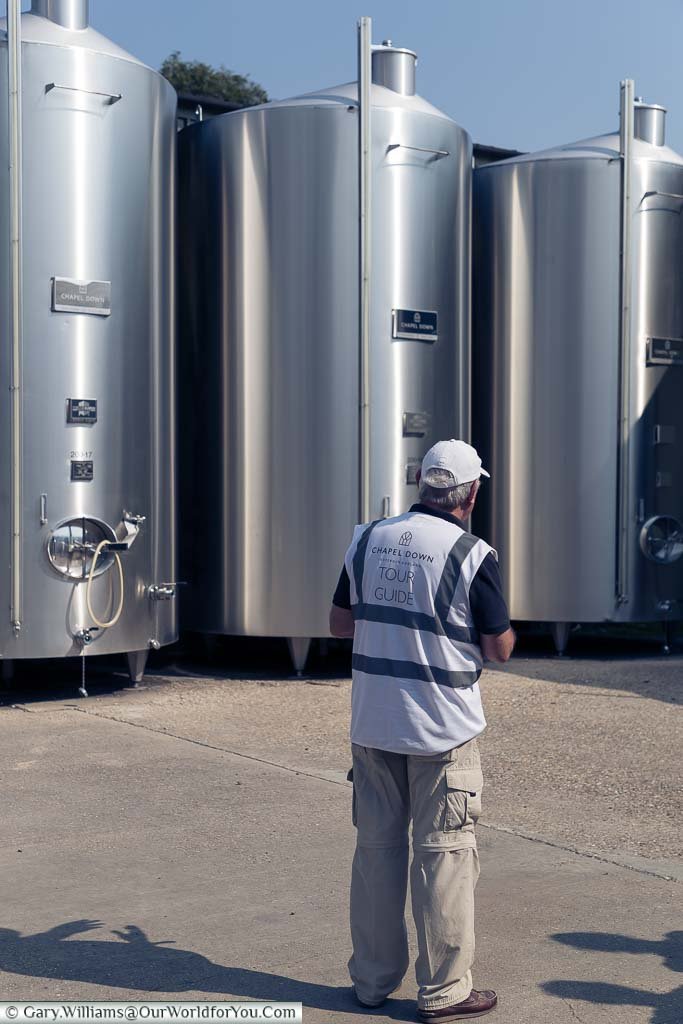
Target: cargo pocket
[(463, 798)]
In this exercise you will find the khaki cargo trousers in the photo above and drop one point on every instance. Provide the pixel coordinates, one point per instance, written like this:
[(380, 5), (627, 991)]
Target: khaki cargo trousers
[(442, 795)]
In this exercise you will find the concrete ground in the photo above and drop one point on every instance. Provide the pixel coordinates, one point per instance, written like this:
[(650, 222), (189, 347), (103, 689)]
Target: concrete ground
[(192, 839)]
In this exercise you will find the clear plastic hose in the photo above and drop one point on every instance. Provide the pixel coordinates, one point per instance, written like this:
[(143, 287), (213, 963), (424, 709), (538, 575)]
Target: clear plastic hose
[(117, 614)]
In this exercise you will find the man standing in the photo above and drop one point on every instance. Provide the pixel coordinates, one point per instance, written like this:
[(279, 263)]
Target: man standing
[(422, 599)]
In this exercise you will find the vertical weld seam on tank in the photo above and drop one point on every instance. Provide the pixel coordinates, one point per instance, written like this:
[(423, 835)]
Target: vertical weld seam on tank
[(16, 300), (365, 247), (626, 128), (158, 339)]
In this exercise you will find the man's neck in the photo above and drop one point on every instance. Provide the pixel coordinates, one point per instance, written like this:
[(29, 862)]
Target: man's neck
[(455, 513)]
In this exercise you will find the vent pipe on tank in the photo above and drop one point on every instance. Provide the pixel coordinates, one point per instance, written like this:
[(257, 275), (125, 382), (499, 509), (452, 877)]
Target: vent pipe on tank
[(649, 122), (394, 68), (71, 14)]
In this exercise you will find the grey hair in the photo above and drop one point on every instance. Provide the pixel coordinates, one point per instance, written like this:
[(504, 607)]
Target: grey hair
[(446, 497)]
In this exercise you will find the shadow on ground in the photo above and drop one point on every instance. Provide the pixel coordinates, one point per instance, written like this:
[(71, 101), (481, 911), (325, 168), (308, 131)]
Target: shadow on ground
[(630, 663), (139, 965), (667, 1006), (229, 659), (628, 660)]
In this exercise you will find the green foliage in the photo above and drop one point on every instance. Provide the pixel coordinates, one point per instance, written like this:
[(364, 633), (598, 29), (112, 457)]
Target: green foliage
[(192, 76)]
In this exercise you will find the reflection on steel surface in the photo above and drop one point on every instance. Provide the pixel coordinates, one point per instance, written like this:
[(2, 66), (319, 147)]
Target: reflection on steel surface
[(270, 340), (547, 298), (97, 183)]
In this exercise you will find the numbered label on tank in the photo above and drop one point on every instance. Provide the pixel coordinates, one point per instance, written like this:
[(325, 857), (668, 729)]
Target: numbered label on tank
[(72, 296), (81, 410), (82, 469), (414, 324)]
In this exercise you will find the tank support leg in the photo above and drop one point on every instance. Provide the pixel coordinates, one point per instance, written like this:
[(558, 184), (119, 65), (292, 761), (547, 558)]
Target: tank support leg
[(7, 670), (298, 651), (137, 661), (560, 631), (666, 647), (210, 647)]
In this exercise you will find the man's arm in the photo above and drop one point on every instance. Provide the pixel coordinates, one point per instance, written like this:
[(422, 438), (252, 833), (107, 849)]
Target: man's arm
[(497, 648), (341, 617), (341, 621)]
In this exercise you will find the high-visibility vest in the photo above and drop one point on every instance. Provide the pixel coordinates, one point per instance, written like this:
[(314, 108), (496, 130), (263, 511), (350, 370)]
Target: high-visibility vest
[(416, 653)]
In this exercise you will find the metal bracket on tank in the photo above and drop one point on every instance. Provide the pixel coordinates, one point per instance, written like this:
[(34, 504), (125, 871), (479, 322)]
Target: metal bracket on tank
[(131, 525), (663, 195)]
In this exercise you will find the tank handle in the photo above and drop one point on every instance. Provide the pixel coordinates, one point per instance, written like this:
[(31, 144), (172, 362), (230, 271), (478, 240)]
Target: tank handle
[(438, 153), (664, 195), (113, 97)]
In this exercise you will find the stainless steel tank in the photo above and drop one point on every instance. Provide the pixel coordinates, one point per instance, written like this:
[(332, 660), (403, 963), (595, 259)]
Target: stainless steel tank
[(282, 403), (87, 308), (578, 370)]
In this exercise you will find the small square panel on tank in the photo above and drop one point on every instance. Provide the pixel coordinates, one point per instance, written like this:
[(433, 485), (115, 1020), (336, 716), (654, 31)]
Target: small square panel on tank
[(82, 470), (416, 424), (412, 466)]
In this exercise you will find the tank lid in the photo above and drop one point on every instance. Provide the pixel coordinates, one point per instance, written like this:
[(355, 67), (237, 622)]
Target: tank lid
[(394, 68), (649, 122), (387, 44), (71, 14)]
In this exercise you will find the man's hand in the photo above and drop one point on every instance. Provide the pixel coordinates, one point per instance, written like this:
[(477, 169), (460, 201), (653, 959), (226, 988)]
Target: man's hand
[(497, 648), (341, 622)]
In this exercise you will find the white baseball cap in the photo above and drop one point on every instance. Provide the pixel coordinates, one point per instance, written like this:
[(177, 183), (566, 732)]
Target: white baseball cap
[(455, 459)]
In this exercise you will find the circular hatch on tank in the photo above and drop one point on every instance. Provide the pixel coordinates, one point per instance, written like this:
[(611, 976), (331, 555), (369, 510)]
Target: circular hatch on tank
[(661, 540), (72, 544)]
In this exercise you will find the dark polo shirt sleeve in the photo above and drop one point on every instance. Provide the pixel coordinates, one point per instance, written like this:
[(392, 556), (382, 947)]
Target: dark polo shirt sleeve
[(487, 603), (342, 595)]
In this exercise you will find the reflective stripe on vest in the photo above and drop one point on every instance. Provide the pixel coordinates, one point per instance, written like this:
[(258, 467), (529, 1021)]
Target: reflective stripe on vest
[(459, 652), (412, 670)]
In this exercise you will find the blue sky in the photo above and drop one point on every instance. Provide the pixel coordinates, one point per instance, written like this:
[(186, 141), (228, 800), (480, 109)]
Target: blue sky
[(524, 74)]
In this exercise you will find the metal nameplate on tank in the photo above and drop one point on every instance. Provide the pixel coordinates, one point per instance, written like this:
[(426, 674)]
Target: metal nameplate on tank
[(414, 324), (665, 351), (82, 469), (72, 296), (412, 466), (416, 424), (81, 410)]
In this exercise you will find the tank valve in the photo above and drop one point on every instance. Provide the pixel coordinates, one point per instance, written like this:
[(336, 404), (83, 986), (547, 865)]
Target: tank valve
[(155, 645), (162, 591), (85, 636)]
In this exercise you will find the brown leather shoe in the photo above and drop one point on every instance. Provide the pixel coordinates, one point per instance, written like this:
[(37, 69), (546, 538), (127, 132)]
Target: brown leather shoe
[(476, 1005)]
